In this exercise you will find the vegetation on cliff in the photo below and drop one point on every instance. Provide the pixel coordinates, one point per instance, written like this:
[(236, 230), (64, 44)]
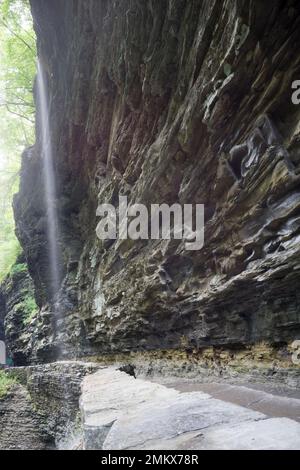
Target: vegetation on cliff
[(17, 59), (6, 382)]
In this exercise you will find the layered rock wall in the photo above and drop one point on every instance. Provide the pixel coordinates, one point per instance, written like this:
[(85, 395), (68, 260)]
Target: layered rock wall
[(19, 314), (169, 101), (41, 410)]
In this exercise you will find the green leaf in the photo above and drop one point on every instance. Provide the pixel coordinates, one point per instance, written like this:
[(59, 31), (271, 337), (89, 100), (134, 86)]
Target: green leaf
[(17, 111)]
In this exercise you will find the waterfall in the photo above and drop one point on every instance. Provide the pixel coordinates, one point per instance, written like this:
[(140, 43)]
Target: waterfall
[(49, 184)]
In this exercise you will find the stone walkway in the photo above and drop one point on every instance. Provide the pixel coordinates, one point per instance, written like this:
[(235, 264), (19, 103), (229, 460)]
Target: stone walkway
[(120, 412), (272, 405)]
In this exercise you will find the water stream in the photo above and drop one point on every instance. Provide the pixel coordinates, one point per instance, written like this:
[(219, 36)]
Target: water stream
[(52, 225), (49, 184)]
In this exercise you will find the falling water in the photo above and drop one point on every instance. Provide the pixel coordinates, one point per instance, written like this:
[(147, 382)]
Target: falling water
[(49, 183)]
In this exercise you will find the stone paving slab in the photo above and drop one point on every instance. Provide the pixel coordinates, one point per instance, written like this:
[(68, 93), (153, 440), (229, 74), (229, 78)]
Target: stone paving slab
[(274, 406), (121, 412)]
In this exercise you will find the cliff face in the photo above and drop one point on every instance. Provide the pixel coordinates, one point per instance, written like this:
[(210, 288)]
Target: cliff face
[(18, 313), (183, 101), (41, 411)]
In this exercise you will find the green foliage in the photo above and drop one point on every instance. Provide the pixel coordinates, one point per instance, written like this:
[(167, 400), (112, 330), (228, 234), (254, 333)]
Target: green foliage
[(18, 54), (17, 71), (28, 308), (18, 269), (6, 383), (10, 250)]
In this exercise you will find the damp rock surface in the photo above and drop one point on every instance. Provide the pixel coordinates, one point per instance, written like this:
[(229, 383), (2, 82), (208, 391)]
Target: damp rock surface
[(120, 413), (21, 428), (189, 102), (42, 408), (19, 313)]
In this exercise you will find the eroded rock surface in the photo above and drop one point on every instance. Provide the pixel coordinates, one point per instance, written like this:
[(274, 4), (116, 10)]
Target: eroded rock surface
[(120, 412), (169, 101), (21, 427), (100, 409), (42, 409), (19, 314)]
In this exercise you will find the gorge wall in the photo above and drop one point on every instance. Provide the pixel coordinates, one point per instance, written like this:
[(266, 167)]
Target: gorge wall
[(167, 101), (40, 411)]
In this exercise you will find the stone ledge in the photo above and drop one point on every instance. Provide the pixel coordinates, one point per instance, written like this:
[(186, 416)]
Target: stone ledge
[(120, 412)]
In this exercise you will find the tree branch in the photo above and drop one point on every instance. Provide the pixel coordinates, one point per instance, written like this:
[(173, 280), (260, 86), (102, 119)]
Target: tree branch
[(17, 104), (17, 36), (22, 116)]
